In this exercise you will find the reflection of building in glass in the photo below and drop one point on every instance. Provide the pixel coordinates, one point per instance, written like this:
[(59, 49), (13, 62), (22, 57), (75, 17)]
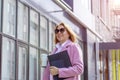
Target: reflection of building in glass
[(22, 64), (33, 64), (22, 22), (8, 59)]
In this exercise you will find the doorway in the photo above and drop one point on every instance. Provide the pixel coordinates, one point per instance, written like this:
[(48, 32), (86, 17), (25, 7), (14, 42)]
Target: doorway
[(109, 61)]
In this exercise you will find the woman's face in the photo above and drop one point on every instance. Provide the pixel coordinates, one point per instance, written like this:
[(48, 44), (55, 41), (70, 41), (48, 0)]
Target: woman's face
[(61, 34)]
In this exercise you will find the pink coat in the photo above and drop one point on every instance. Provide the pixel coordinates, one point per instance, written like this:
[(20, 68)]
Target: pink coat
[(75, 55)]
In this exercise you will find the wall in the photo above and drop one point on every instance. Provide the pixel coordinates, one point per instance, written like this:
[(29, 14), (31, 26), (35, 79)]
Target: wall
[(84, 14), (91, 58)]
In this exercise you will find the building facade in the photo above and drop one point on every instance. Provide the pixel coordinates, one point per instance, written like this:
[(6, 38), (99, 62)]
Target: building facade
[(27, 34)]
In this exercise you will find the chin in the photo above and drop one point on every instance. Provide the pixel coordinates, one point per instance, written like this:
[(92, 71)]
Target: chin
[(60, 39)]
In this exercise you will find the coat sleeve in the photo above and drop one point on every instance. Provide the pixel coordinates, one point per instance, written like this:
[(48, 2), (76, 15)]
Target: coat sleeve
[(77, 63)]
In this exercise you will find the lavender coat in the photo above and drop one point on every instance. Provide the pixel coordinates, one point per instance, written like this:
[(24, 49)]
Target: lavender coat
[(73, 72)]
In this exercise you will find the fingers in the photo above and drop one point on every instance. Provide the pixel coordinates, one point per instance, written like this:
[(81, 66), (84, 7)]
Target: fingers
[(54, 70)]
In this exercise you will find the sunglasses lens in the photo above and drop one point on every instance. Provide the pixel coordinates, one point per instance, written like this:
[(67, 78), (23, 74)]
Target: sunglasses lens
[(56, 31), (61, 30)]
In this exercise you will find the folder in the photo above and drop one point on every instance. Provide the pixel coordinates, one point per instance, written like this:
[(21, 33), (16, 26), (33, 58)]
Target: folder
[(60, 60)]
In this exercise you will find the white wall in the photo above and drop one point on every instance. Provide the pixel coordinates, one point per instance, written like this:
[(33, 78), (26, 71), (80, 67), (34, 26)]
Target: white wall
[(83, 12)]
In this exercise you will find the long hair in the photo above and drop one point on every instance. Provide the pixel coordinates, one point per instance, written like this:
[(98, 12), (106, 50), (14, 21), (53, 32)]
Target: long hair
[(72, 37)]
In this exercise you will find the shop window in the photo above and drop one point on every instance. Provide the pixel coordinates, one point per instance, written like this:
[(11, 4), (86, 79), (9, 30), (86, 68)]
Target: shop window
[(43, 33), (9, 17), (22, 62), (43, 62), (43, 58), (68, 3), (51, 36), (8, 59), (33, 64), (42, 70), (34, 27), (22, 22)]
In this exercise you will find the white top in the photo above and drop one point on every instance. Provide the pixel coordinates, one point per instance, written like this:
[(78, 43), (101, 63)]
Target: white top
[(60, 46)]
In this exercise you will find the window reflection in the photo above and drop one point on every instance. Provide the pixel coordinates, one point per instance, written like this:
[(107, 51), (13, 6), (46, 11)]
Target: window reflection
[(43, 32), (8, 59), (51, 36), (42, 70), (33, 64), (22, 22), (9, 17), (34, 27), (43, 58), (22, 63)]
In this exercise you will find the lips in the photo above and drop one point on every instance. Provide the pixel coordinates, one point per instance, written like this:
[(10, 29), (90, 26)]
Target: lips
[(60, 37)]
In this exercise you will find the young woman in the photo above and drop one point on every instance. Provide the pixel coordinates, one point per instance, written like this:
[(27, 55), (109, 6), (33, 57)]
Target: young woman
[(65, 39)]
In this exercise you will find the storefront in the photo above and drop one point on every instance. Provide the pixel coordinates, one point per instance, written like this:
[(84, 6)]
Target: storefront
[(26, 38), (109, 58)]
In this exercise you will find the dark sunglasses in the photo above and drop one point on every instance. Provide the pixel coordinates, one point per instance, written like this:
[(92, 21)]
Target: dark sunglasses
[(61, 30)]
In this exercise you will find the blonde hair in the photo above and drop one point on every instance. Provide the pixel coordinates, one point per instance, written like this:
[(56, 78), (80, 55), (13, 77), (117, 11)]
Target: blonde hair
[(72, 37)]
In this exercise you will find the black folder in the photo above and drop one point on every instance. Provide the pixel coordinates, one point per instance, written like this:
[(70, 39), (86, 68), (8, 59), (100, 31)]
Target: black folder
[(59, 60)]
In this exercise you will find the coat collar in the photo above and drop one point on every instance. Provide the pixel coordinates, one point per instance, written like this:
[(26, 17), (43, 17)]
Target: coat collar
[(67, 45)]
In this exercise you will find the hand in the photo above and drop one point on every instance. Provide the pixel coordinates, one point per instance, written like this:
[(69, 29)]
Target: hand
[(54, 70)]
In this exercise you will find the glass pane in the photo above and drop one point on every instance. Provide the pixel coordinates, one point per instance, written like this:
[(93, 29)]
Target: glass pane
[(51, 36), (8, 59), (43, 32), (22, 22), (9, 17), (43, 58), (42, 69), (34, 27), (22, 63), (33, 64)]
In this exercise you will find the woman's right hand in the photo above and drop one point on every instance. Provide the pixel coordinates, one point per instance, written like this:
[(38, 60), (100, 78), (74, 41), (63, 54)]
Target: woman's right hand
[(54, 70)]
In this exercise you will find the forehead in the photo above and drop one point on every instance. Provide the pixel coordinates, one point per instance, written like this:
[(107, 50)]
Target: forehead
[(60, 26)]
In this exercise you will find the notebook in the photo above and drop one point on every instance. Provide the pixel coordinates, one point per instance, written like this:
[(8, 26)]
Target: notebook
[(59, 60)]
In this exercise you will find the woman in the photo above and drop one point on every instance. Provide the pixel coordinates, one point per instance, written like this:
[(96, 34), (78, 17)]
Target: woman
[(65, 39)]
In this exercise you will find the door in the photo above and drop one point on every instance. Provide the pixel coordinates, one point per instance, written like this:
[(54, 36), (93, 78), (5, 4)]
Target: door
[(109, 61)]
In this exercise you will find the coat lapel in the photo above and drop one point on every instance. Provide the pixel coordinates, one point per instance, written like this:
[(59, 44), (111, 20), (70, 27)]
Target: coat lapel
[(66, 45)]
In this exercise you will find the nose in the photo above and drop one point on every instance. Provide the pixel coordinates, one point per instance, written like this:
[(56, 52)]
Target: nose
[(59, 32)]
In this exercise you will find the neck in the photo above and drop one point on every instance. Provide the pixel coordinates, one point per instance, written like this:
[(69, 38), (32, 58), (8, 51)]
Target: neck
[(62, 42)]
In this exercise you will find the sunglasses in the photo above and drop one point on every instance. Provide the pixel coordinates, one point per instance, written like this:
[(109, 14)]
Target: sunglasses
[(59, 30)]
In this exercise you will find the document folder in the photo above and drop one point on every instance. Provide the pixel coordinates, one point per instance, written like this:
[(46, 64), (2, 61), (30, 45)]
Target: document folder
[(59, 60)]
